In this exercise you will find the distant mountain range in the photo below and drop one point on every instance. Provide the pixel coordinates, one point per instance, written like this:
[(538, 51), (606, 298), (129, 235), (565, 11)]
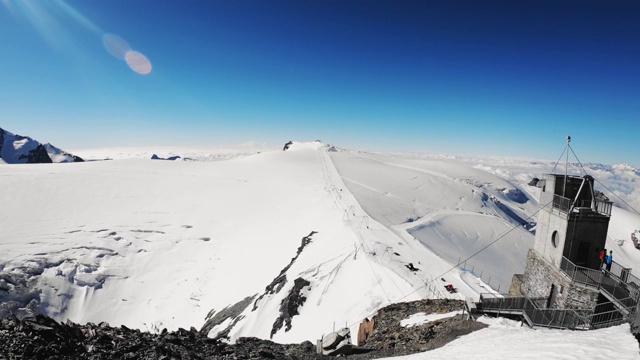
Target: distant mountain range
[(18, 149)]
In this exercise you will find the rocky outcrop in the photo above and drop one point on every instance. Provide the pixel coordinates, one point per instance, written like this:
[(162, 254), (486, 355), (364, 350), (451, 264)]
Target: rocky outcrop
[(390, 338), (278, 282), (18, 149), (172, 158), (289, 305), (43, 338), (36, 156), (231, 312)]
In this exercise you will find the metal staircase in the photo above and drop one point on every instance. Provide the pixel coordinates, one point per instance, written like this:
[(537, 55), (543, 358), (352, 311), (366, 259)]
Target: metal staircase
[(618, 286)]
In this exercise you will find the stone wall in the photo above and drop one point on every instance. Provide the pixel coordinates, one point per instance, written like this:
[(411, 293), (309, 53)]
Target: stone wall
[(537, 281)]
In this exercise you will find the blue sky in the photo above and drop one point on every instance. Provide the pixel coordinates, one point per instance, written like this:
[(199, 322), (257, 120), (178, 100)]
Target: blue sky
[(503, 78)]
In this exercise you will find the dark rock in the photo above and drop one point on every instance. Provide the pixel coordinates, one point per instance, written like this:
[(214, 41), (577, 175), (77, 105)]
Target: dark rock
[(287, 145), (37, 156), (278, 282), (43, 338), (289, 306), (156, 157), (39, 152), (396, 340), (232, 312), (1, 139)]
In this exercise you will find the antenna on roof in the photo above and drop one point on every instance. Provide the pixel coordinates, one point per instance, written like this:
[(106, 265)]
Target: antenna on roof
[(566, 165)]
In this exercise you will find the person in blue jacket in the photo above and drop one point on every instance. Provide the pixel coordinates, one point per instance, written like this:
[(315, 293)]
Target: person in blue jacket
[(609, 260)]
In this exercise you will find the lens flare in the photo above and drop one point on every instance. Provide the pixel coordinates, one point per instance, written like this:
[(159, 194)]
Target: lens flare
[(115, 45), (138, 62)]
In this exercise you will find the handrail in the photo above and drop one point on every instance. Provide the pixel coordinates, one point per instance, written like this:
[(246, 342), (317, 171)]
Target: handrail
[(582, 275), (607, 282), (561, 203), (600, 206), (576, 319)]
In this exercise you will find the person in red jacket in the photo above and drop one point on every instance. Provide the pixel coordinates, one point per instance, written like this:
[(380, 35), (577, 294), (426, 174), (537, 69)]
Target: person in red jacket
[(602, 256)]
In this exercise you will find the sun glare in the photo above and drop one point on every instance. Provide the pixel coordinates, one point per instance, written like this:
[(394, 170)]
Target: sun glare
[(138, 62), (48, 18), (115, 45)]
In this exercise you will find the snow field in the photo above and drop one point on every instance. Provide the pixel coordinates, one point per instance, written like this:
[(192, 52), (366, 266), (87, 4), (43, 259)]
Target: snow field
[(155, 244)]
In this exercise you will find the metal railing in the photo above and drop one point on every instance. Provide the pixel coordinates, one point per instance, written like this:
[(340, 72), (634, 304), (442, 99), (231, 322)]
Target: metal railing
[(535, 316), (600, 206), (559, 318), (624, 274), (608, 282), (561, 203), (581, 275), (607, 319), (505, 304)]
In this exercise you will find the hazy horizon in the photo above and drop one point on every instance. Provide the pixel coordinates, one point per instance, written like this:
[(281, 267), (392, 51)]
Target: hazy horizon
[(463, 78)]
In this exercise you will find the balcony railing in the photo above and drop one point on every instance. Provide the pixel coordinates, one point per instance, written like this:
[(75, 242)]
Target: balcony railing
[(561, 203), (600, 206)]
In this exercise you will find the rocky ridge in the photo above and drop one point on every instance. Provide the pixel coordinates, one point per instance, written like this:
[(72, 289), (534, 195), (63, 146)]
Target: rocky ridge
[(44, 338), (18, 149)]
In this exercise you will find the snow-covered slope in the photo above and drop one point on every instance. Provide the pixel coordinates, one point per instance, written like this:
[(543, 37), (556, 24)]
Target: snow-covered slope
[(313, 231), (453, 209), (156, 244), (17, 149), (508, 339)]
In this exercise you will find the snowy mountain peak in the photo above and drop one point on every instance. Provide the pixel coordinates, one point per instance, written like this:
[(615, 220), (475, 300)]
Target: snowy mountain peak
[(18, 149)]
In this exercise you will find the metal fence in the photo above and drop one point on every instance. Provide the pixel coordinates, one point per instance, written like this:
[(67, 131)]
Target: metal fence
[(500, 304), (562, 203), (581, 274), (614, 283), (600, 206), (534, 313), (624, 274)]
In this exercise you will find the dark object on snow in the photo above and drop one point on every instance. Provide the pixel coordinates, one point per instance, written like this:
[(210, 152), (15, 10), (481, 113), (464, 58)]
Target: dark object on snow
[(156, 157), (411, 267), (450, 288), (533, 181), (287, 145)]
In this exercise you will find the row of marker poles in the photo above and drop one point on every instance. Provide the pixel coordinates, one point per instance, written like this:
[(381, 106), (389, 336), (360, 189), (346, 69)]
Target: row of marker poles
[(463, 267)]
